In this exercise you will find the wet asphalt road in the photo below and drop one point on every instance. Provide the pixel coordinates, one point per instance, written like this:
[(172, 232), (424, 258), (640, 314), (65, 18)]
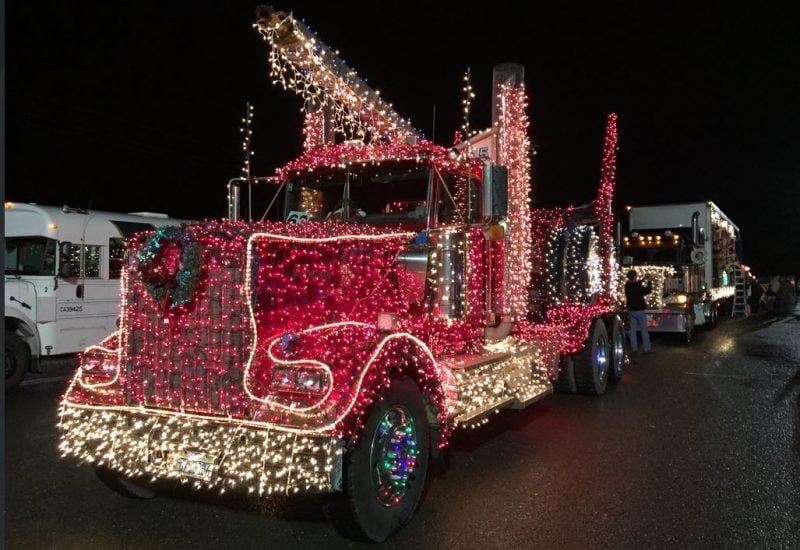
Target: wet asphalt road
[(698, 447)]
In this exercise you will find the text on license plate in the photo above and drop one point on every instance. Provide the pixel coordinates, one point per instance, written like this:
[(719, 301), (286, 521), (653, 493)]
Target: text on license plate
[(192, 464)]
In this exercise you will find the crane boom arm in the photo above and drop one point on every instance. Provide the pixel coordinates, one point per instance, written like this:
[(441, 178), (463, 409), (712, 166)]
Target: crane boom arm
[(302, 63)]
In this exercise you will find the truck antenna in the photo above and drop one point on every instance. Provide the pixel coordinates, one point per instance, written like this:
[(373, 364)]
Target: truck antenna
[(433, 132), (466, 102)]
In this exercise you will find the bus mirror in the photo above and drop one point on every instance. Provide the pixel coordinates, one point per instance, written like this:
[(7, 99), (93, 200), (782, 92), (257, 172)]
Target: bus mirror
[(65, 270), (64, 265)]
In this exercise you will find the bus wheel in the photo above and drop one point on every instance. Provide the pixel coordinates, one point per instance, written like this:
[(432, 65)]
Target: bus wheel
[(18, 360)]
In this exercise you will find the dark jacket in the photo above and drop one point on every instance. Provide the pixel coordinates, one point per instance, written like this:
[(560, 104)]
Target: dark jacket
[(635, 292), (785, 299)]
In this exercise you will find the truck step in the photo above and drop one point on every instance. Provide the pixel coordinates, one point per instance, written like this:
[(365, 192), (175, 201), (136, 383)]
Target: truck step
[(474, 415), (533, 397)]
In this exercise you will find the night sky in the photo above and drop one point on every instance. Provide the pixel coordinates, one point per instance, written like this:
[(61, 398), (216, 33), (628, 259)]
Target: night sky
[(143, 100)]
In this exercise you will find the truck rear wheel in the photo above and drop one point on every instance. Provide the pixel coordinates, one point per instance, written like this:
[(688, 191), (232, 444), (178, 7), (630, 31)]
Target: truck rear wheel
[(18, 360), (714, 317), (591, 364), (565, 383), (124, 486), (616, 347), (384, 475)]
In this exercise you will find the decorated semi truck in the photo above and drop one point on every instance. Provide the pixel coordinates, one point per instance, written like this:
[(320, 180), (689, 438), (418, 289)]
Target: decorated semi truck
[(692, 255), (401, 291)]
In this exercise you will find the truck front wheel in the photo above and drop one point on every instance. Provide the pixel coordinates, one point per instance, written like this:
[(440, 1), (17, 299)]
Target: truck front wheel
[(591, 364), (384, 475), (565, 383), (18, 360), (124, 486)]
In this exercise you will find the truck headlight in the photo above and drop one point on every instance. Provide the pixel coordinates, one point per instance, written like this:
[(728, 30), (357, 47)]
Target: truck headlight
[(301, 380), (677, 299), (283, 379), (98, 371), (311, 380)]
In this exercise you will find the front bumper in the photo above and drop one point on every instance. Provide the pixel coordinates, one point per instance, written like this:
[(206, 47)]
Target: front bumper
[(162, 446)]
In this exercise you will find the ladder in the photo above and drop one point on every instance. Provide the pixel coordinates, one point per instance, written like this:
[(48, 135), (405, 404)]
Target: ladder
[(740, 293)]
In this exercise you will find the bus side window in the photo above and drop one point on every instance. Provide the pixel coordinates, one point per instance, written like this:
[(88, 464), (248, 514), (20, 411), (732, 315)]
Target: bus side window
[(116, 257), (70, 260), (91, 261)]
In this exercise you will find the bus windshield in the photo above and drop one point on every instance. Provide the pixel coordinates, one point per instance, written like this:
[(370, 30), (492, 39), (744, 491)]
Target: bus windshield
[(30, 256), (656, 255)]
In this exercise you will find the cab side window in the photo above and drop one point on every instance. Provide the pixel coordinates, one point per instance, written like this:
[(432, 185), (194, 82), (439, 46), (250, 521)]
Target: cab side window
[(458, 199)]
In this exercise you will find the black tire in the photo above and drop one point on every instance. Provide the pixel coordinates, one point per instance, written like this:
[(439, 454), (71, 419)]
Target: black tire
[(714, 315), (616, 346), (18, 360), (124, 486), (591, 364), (565, 383), (365, 513)]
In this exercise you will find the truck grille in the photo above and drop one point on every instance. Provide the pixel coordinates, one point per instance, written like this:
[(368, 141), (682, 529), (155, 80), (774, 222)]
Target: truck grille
[(192, 358)]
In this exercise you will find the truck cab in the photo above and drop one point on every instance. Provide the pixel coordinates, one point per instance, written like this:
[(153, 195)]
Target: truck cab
[(690, 253)]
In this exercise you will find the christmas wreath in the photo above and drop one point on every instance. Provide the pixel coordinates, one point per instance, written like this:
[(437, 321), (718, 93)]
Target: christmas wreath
[(169, 265)]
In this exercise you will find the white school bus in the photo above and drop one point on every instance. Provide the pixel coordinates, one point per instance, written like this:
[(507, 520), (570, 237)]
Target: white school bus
[(62, 279)]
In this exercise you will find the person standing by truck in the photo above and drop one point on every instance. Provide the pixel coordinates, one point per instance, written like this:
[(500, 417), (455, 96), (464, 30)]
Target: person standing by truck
[(785, 298), (635, 291)]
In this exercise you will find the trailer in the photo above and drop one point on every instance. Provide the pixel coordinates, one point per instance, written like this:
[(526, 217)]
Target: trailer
[(402, 290), (692, 254), (62, 275)]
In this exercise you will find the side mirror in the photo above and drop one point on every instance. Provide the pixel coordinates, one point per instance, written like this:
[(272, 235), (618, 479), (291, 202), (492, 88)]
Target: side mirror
[(65, 270), (495, 191), (64, 266)]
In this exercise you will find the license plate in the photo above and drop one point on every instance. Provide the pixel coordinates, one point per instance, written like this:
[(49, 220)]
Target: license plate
[(192, 464), (652, 322)]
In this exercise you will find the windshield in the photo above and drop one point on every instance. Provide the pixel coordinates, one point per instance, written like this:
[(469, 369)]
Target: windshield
[(389, 193), (658, 255), (30, 256)]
